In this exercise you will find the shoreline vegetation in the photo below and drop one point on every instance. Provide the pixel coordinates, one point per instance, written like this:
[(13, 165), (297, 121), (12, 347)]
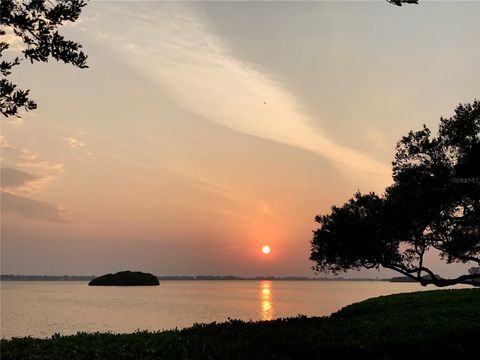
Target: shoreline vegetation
[(439, 324), (11, 277)]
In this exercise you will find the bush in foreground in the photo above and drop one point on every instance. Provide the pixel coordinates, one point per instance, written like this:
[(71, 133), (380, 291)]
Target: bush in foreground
[(431, 325)]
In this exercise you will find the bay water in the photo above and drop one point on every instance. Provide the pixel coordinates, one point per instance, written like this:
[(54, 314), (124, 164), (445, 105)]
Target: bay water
[(43, 308)]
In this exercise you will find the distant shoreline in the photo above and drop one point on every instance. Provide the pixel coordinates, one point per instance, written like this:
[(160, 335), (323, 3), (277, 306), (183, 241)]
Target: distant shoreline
[(11, 277)]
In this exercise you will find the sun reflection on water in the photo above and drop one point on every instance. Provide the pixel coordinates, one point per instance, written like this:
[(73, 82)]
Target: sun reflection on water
[(266, 308)]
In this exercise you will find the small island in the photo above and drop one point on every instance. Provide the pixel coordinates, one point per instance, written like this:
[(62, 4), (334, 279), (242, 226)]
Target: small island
[(125, 278)]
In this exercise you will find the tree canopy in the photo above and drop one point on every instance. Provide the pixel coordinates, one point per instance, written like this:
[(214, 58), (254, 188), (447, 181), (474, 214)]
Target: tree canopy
[(400, 2), (434, 203), (35, 22)]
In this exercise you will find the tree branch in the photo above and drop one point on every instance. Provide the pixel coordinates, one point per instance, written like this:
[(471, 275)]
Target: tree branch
[(471, 279)]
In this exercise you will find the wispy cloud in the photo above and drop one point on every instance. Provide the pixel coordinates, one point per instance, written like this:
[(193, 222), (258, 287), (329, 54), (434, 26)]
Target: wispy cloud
[(171, 44), (30, 159), (16, 181), (74, 143), (250, 204), (4, 143), (31, 208)]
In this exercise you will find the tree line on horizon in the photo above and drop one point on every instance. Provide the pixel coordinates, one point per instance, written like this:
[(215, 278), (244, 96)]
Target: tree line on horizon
[(16, 277)]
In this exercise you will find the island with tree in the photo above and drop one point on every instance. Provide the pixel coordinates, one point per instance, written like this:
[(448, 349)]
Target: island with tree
[(125, 278)]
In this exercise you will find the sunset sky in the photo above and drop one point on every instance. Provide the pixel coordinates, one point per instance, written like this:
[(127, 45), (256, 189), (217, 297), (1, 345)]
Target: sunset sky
[(205, 130)]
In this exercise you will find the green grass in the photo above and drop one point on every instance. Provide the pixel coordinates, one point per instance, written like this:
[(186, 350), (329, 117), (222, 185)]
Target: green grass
[(443, 324)]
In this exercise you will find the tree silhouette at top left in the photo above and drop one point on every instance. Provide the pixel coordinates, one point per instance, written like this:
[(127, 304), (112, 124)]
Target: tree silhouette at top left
[(35, 23)]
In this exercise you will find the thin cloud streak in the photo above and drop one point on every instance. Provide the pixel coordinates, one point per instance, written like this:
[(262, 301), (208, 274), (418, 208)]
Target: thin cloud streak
[(15, 181), (171, 44), (31, 208), (73, 142), (4, 144), (27, 158), (258, 206)]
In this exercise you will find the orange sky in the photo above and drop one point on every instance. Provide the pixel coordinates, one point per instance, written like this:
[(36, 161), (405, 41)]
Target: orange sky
[(202, 131)]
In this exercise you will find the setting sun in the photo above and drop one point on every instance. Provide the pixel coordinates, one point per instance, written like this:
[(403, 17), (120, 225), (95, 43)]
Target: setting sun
[(266, 249)]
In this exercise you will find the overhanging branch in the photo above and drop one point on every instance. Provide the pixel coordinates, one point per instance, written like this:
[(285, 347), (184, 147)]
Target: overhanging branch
[(471, 279)]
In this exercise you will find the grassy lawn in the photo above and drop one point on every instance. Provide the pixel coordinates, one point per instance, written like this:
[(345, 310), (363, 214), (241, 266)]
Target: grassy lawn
[(443, 324)]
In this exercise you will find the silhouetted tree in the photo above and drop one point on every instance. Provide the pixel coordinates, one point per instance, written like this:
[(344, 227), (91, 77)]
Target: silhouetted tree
[(35, 22), (434, 203), (474, 270), (400, 2)]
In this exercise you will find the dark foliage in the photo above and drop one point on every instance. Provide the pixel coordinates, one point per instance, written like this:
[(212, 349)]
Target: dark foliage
[(431, 325), (35, 22), (474, 270), (434, 203), (125, 278), (400, 2)]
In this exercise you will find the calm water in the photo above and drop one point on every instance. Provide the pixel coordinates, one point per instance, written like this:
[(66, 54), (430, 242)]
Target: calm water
[(41, 309)]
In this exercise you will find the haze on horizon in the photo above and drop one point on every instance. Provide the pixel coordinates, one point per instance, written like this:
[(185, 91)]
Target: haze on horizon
[(205, 130)]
